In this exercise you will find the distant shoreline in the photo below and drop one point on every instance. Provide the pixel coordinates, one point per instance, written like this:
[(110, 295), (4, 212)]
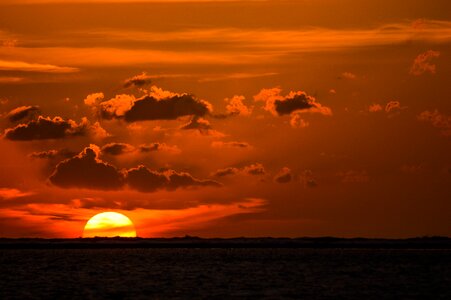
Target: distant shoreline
[(196, 242)]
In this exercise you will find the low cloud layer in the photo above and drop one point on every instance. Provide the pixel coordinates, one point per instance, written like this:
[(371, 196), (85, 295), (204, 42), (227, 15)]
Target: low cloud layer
[(47, 128), (124, 148), (87, 171)]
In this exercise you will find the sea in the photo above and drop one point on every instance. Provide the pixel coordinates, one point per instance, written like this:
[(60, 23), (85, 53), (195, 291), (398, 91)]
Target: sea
[(225, 273)]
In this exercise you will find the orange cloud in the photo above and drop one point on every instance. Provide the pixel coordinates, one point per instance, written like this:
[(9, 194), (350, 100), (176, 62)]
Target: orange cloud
[(235, 106), (438, 120), (11, 193), (6, 65), (423, 63)]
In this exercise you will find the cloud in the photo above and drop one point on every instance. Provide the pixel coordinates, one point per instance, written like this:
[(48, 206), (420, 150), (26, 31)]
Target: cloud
[(423, 63), (47, 128), (392, 106), (87, 171), (138, 81), (235, 106), (183, 179), (124, 148), (438, 120), (94, 99), (348, 75), (33, 67), (307, 179), (354, 176), (52, 154), (158, 105), (10, 193), (10, 79), (145, 180), (233, 144), (117, 148), (284, 176), (297, 121), (22, 112), (298, 102), (203, 126), (375, 107), (226, 172), (152, 147), (253, 169)]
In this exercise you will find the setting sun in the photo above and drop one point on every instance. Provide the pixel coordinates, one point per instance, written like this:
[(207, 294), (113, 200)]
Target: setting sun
[(109, 224)]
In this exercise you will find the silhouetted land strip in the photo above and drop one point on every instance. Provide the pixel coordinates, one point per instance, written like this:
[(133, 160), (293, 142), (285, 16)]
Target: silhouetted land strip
[(196, 242)]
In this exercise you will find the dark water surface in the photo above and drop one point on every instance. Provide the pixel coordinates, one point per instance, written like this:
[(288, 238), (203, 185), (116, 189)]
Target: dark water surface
[(225, 273)]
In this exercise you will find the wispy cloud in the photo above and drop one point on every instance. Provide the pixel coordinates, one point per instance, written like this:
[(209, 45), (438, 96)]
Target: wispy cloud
[(226, 46), (6, 65)]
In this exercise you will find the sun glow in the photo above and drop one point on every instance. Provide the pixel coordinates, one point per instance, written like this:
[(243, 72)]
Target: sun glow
[(109, 224)]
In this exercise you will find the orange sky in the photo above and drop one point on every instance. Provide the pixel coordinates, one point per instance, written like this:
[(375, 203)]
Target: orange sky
[(226, 118)]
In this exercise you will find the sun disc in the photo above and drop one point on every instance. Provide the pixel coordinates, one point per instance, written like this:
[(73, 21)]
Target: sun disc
[(109, 224)]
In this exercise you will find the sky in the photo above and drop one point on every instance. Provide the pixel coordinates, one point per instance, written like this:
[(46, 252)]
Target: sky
[(226, 118)]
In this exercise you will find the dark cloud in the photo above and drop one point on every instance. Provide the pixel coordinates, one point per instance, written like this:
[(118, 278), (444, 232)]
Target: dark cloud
[(226, 172), (298, 101), (284, 176), (197, 123), (158, 147), (152, 107), (291, 104), (46, 128), (253, 169), (86, 171), (22, 112), (144, 180), (233, 144), (117, 148), (203, 126), (138, 81), (91, 203), (123, 148), (183, 179), (53, 154), (307, 179)]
